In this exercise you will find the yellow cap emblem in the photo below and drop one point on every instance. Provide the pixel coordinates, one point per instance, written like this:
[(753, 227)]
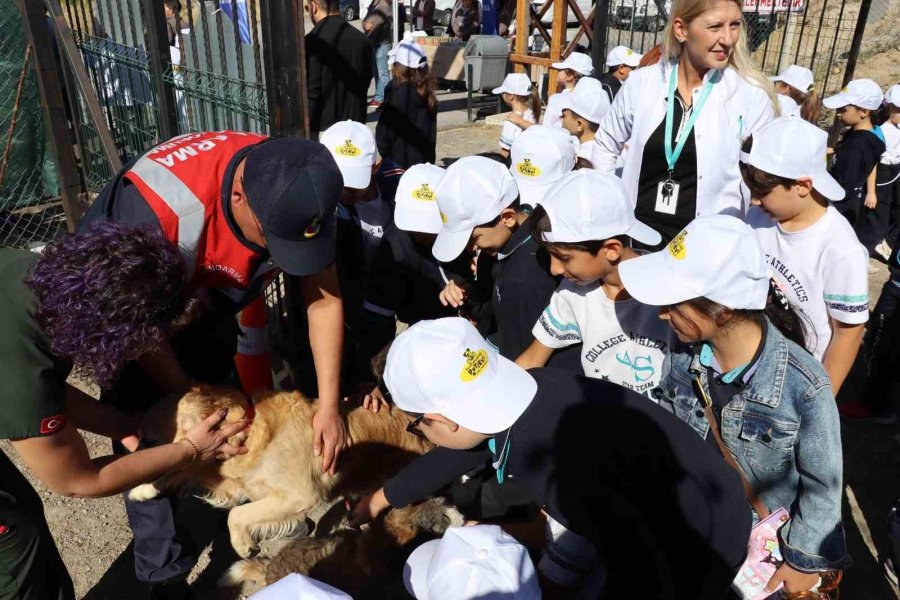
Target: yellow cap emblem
[(676, 247), (476, 363), (527, 169), (443, 218), (348, 149), (629, 52), (424, 193), (845, 89)]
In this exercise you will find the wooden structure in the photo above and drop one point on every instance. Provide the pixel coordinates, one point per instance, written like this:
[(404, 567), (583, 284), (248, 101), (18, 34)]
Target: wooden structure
[(528, 19)]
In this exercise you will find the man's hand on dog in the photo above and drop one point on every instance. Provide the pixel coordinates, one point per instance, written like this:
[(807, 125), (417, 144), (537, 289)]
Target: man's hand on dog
[(330, 437), (211, 441), (368, 508)]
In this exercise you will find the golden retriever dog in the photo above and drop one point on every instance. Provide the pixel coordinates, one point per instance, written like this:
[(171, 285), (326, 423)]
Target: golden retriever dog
[(271, 487), (364, 564)]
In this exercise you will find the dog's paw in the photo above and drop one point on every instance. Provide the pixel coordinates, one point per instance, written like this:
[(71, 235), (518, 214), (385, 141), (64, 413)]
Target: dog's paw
[(143, 492)]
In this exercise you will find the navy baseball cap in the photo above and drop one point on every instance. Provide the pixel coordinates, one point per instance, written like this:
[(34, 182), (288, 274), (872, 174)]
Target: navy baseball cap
[(293, 186)]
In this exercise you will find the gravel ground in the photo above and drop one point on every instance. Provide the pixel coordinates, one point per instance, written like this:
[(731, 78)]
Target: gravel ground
[(94, 538)]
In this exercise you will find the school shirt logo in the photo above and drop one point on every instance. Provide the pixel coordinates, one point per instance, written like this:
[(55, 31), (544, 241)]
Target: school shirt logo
[(348, 149), (476, 363), (424, 193), (527, 169), (313, 229), (676, 247)]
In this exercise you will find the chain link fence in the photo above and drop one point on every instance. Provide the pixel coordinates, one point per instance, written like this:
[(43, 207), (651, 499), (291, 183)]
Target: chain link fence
[(30, 212)]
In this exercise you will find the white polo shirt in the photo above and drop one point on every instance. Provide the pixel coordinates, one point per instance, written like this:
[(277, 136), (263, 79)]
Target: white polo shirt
[(823, 271), (552, 116), (891, 133), (510, 131), (789, 107)]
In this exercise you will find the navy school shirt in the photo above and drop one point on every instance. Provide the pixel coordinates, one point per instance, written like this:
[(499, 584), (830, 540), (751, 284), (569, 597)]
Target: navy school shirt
[(854, 159), (621, 471)]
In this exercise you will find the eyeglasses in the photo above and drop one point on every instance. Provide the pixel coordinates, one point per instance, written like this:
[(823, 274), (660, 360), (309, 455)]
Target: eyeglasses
[(413, 426)]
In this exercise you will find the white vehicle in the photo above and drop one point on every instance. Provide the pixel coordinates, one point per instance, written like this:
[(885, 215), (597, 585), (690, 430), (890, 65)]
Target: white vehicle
[(584, 5), (640, 15)]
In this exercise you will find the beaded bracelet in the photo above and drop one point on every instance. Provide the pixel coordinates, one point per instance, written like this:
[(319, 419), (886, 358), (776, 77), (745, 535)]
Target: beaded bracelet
[(194, 448)]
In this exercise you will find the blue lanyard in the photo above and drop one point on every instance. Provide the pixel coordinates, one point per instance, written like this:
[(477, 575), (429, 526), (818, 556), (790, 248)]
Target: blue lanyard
[(673, 155), (500, 464)]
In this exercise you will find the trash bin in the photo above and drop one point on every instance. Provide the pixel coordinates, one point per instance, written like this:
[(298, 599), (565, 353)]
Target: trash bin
[(487, 55)]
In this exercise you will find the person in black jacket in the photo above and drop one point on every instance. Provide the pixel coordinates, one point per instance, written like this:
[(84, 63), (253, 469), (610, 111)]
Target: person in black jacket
[(407, 128), (423, 16), (338, 67), (667, 515)]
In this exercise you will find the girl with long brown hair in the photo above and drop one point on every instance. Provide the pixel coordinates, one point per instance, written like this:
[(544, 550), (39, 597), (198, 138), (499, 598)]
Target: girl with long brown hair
[(406, 133)]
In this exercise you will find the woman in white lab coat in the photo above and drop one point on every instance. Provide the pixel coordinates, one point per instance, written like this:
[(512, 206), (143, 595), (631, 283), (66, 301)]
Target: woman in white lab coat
[(706, 96)]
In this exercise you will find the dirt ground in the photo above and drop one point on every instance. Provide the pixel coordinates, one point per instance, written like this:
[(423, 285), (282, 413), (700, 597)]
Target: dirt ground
[(94, 537)]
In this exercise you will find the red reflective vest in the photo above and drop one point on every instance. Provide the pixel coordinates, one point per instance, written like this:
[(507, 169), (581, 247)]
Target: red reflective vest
[(182, 180)]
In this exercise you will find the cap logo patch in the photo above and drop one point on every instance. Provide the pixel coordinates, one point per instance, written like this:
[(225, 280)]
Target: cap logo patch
[(425, 194), (476, 363), (527, 169), (348, 149), (676, 247), (312, 230), (53, 424), (845, 89), (629, 52), (443, 218)]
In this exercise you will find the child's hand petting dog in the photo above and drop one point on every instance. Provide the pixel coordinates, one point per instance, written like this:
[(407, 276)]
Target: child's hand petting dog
[(374, 400), (368, 508), (452, 295), (209, 441)]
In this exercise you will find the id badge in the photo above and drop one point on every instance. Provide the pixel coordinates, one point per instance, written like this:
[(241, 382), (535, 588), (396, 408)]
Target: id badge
[(667, 196)]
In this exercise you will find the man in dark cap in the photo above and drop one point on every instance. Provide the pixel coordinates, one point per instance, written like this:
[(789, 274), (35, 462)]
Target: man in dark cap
[(240, 206)]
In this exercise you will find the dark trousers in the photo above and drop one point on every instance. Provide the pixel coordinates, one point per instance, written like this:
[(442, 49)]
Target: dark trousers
[(30, 565), (205, 350), (882, 351), (888, 187), (872, 224)]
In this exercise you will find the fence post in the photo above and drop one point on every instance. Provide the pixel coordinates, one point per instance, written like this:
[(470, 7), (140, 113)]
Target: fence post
[(47, 71), (598, 43), (285, 66), (852, 57), (157, 42)]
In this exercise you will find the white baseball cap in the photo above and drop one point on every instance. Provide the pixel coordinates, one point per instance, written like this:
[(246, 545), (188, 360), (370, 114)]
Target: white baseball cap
[(353, 147), (793, 148), (539, 157), (410, 54), (416, 206), (893, 95), (469, 563), (799, 78), (578, 62), (296, 586), (623, 55), (716, 257), (863, 93), (592, 205), (517, 84), (587, 100), (472, 192), (445, 367)]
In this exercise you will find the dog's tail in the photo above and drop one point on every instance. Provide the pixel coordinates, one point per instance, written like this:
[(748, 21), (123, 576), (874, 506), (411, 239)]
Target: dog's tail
[(249, 569)]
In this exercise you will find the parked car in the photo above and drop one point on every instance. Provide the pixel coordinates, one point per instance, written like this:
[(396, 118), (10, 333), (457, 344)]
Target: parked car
[(353, 9), (443, 12), (640, 15)]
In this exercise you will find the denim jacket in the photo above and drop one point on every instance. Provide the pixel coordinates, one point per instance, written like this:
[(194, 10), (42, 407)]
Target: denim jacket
[(784, 432)]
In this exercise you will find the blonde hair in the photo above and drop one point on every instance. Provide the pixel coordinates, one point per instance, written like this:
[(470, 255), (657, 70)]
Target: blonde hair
[(739, 59)]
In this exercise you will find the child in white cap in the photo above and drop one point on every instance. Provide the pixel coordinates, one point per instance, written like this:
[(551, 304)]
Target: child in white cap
[(859, 151), (522, 97), (620, 62), (299, 587), (796, 96), (540, 157), (617, 470), (406, 133), (481, 211), (811, 250), (575, 68), (582, 112), (586, 224), (745, 384), (471, 563), (887, 184)]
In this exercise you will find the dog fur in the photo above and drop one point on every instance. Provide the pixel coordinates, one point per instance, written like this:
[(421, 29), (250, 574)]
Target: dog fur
[(271, 487), (364, 564)]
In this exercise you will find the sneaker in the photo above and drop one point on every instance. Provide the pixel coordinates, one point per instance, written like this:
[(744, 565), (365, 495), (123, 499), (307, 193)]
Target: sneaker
[(857, 411), (889, 571), (883, 250), (374, 103)]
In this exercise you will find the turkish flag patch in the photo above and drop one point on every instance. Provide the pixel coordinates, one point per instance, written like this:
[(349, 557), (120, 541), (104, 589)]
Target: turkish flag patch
[(53, 424)]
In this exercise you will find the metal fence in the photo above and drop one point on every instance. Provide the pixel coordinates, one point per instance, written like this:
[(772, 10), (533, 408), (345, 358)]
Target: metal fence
[(28, 215)]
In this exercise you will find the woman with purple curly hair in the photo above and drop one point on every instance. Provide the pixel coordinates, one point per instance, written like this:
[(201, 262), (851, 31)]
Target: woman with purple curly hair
[(91, 302)]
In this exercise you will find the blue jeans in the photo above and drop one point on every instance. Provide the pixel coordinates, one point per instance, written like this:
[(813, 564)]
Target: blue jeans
[(382, 72)]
